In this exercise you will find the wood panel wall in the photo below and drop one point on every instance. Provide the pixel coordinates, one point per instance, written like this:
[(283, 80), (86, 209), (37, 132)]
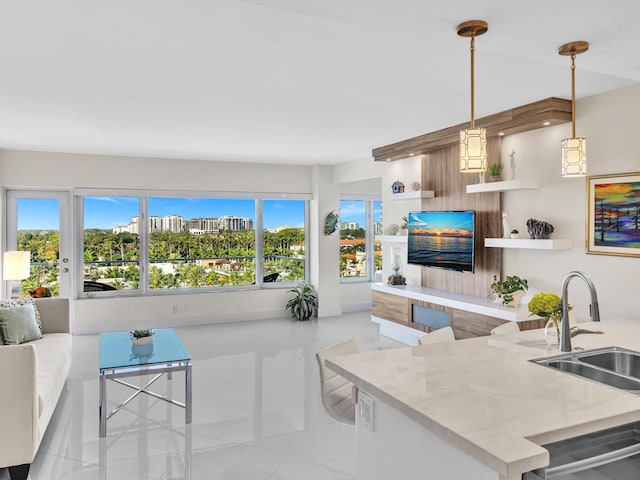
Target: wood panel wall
[(441, 173)]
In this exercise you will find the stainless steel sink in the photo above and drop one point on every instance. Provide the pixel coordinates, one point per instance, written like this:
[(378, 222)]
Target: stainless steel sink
[(625, 362), (614, 367)]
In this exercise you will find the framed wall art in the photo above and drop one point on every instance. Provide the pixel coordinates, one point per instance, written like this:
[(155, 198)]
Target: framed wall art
[(613, 214)]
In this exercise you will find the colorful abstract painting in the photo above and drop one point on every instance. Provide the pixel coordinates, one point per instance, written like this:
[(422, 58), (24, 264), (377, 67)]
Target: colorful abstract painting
[(613, 226)]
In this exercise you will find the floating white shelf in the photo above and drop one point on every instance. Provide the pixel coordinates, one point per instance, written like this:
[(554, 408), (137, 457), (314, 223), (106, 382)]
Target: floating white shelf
[(550, 244), (413, 195), (503, 186), (392, 238), (468, 303)]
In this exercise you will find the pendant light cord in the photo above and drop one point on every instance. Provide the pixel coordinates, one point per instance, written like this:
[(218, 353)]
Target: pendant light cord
[(573, 95), (473, 50)]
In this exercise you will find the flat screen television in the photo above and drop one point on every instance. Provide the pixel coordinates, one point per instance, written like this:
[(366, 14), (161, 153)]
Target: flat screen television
[(442, 239)]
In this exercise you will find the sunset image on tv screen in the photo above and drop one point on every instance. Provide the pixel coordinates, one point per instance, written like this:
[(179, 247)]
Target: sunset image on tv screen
[(441, 239)]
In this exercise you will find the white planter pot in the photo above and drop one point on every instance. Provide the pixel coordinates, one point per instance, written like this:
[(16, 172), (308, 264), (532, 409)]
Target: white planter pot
[(515, 302)]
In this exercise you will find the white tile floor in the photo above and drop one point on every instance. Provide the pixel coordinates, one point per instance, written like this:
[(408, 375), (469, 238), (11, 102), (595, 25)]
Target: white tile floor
[(257, 412)]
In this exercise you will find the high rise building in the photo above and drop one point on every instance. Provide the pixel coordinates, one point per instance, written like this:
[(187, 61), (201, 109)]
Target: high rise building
[(349, 225), (199, 226), (155, 224), (172, 223), (235, 224), (202, 224)]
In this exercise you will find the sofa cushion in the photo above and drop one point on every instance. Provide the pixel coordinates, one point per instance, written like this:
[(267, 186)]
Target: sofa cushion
[(53, 358), (21, 301), (18, 322)]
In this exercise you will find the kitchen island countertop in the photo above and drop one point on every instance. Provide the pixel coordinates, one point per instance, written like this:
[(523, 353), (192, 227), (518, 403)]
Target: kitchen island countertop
[(486, 398)]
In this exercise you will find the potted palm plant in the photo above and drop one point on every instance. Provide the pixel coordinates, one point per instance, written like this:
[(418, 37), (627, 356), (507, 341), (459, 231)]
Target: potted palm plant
[(303, 303), (510, 291)]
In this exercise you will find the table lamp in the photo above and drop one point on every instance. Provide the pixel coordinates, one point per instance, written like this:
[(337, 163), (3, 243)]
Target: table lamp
[(16, 267)]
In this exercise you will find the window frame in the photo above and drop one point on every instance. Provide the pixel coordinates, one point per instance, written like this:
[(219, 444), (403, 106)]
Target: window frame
[(143, 196), (369, 237)]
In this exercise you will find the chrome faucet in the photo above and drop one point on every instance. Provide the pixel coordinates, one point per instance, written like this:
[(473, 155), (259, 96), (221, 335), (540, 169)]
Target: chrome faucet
[(565, 333)]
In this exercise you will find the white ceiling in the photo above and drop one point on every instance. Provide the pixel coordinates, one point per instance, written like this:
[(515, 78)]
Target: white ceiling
[(287, 81)]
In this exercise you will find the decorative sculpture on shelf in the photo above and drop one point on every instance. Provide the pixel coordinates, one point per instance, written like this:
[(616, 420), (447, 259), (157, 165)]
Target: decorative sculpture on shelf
[(396, 277), (397, 187), (512, 164), (506, 228), (538, 229), (392, 229)]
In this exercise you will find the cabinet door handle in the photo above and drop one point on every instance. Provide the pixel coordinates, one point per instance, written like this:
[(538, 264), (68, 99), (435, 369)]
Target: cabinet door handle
[(591, 462)]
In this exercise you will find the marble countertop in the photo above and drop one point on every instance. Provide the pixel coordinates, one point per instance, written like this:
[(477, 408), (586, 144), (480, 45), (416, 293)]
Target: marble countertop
[(485, 397)]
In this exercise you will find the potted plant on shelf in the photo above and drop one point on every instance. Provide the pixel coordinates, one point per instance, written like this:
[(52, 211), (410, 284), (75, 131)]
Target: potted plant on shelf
[(510, 291), (515, 233), (495, 172), (142, 336), (303, 303)]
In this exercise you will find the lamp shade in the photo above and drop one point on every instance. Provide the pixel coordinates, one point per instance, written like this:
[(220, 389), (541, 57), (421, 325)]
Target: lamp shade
[(574, 157), (473, 150), (16, 265)]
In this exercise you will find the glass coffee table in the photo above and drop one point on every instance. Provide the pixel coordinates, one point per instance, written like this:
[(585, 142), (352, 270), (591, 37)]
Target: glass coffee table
[(119, 358)]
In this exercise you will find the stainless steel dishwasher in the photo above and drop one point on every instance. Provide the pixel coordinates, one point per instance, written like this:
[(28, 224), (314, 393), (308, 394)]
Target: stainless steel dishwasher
[(609, 454)]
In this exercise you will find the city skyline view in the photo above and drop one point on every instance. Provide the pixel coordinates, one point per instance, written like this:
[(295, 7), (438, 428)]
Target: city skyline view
[(104, 212)]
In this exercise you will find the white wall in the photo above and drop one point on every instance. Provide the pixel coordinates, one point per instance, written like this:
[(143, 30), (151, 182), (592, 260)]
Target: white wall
[(325, 251), (43, 169), (608, 122)]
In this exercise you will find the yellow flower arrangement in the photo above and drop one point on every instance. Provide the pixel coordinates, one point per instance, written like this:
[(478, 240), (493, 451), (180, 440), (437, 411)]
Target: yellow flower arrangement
[(546, 305)]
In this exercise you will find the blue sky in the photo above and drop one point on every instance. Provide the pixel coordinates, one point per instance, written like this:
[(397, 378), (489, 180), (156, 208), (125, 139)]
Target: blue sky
[(442, 220), (105, 212), (353, 211)]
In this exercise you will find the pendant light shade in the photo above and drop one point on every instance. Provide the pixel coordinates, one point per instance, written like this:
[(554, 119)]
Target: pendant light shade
[(473, 150), (574, 157), (574, 149), (473, 141)]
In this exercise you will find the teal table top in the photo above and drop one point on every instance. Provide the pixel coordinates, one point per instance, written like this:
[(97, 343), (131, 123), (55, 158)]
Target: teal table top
[(116, 349)]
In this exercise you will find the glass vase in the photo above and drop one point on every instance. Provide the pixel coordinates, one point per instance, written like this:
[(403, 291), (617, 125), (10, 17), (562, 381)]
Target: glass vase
[(552, 333)]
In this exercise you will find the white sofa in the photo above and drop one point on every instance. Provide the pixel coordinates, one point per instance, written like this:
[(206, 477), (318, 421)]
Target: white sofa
[(32, 376)]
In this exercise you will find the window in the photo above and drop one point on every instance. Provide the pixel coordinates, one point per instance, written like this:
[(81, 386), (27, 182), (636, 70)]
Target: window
[(190, 242), (360, 255), (377, 230), (201, 242), (111, 243), (284, 241)]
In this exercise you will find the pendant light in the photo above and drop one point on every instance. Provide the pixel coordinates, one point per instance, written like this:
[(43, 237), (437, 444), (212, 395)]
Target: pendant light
[(574, 149), (473, 141)]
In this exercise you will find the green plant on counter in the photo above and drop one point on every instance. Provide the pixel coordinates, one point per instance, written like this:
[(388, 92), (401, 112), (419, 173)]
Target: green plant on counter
[(514, 232), (302, 303), (504, 289)]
